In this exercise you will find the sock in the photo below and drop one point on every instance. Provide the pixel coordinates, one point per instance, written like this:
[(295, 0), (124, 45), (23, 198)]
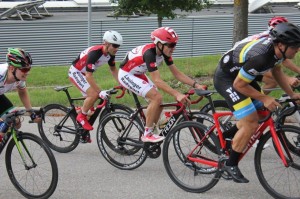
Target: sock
[(230, 132), (148, 130), (233, 158)]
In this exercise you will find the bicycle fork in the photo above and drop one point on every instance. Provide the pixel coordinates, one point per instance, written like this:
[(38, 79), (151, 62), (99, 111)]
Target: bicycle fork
[(17, 139)]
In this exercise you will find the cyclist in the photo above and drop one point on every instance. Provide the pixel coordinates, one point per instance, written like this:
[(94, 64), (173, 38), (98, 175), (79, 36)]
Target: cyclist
[(148, 58), (267, 78), (83, 67), (235, 81), (13, 75)]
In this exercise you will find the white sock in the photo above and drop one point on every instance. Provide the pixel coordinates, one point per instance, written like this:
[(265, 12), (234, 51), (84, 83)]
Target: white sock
[(148, 130)]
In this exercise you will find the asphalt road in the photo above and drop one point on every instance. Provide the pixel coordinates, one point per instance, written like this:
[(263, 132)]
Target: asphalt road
[(84, 173)]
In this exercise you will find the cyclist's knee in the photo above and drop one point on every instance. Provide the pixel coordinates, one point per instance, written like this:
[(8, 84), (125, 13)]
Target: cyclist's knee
[(154, 96)]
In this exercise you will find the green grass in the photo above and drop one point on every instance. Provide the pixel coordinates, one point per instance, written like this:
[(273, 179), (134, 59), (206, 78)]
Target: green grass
[(42, 80)]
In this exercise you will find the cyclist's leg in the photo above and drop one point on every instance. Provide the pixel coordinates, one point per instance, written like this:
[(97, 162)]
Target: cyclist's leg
[(80, 81), (245, 111), (143, 86)]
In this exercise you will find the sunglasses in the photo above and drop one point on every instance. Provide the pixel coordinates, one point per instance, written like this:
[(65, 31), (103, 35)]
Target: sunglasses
[(24, 70), (171, 45), (115, 45)]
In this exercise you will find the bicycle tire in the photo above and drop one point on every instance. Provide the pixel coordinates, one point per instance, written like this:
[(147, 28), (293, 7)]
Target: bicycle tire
[(62, 142), (207, 120), (190, 176), (114, 108), (283, 120), (34, 181), (279, 181), (123, 153)]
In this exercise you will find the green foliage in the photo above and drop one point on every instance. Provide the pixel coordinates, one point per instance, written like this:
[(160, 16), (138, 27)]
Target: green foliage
[(162, 8)]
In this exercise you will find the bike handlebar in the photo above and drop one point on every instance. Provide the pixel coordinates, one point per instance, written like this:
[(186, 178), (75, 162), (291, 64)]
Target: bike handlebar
[(122, 89)]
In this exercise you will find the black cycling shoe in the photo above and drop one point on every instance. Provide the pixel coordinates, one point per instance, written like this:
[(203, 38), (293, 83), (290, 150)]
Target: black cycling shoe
[(236, 174)]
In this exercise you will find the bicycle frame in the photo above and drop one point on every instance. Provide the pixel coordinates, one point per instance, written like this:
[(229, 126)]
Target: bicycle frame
[(14, 134), (258, 133), (72, 109)]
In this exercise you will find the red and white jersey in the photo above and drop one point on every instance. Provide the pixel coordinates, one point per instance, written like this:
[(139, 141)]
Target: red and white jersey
[(4, 86), (142, 59), (92, 58)]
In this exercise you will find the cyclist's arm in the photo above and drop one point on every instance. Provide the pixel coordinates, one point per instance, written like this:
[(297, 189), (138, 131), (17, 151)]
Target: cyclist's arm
[(182, 77), (24, 97), (282, 80), (161, 84), (114, 72), (291, 65)]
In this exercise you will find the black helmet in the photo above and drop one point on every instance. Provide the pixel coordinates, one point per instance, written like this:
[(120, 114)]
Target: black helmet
[(286, 33)]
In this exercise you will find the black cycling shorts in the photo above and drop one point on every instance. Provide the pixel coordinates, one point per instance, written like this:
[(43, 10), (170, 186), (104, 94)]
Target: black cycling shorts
[(5, 104)]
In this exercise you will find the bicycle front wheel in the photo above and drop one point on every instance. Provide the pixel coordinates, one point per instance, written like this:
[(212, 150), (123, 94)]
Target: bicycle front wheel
[(279, 181), (185, 140), (118, 138), (32, 168), (59, 129)]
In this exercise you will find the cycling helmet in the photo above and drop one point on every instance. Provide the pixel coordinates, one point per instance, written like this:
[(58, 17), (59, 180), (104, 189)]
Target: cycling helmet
[(275, 21), (286, 33), (18, 58), (164, 35), (113, 37)]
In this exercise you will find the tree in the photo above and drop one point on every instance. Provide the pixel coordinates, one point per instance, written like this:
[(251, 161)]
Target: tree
[(163, 8), (240, 28)]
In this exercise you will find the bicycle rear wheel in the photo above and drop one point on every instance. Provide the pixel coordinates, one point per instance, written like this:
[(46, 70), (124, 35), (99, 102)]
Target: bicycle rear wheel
[(188, 175), (59, 129), (114, 108), (279, 181), (38, 176), (118, 138)]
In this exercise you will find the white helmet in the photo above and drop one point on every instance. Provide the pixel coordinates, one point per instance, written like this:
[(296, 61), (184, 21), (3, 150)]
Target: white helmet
[(113, 37)]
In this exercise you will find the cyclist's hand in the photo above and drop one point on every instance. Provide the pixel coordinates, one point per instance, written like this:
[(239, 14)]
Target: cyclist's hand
[(296, 96), (293, 81), (35, 117), (103, 94), (201, 87), (270, 103), (183, 99)]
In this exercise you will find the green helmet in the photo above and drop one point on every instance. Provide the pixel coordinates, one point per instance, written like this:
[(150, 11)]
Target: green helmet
[(18, 58)]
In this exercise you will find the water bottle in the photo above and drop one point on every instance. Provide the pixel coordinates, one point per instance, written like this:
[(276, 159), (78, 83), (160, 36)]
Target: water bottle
[(164, 119)]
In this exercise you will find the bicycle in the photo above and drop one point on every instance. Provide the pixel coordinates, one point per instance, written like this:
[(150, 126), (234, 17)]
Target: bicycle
[(30, 163), (60, 129), (118, 134), (195, 167)]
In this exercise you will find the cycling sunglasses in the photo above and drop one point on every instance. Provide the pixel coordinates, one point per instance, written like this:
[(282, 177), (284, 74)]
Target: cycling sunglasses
[(24, 70), (115, 45), (171, 45)]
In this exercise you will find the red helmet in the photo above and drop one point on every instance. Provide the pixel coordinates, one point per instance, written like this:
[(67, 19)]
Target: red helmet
[(275, 21), (164, 35)]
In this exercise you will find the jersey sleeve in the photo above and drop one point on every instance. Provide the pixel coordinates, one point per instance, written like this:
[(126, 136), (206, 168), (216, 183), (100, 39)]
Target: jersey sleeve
[(150, 60), (253, 67), (92, 58), (21, 84), (168, 60), (111, 61)]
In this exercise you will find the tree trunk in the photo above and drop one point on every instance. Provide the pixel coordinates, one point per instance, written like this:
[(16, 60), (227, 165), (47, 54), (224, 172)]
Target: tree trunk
[(159, 20), (240, 28)]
